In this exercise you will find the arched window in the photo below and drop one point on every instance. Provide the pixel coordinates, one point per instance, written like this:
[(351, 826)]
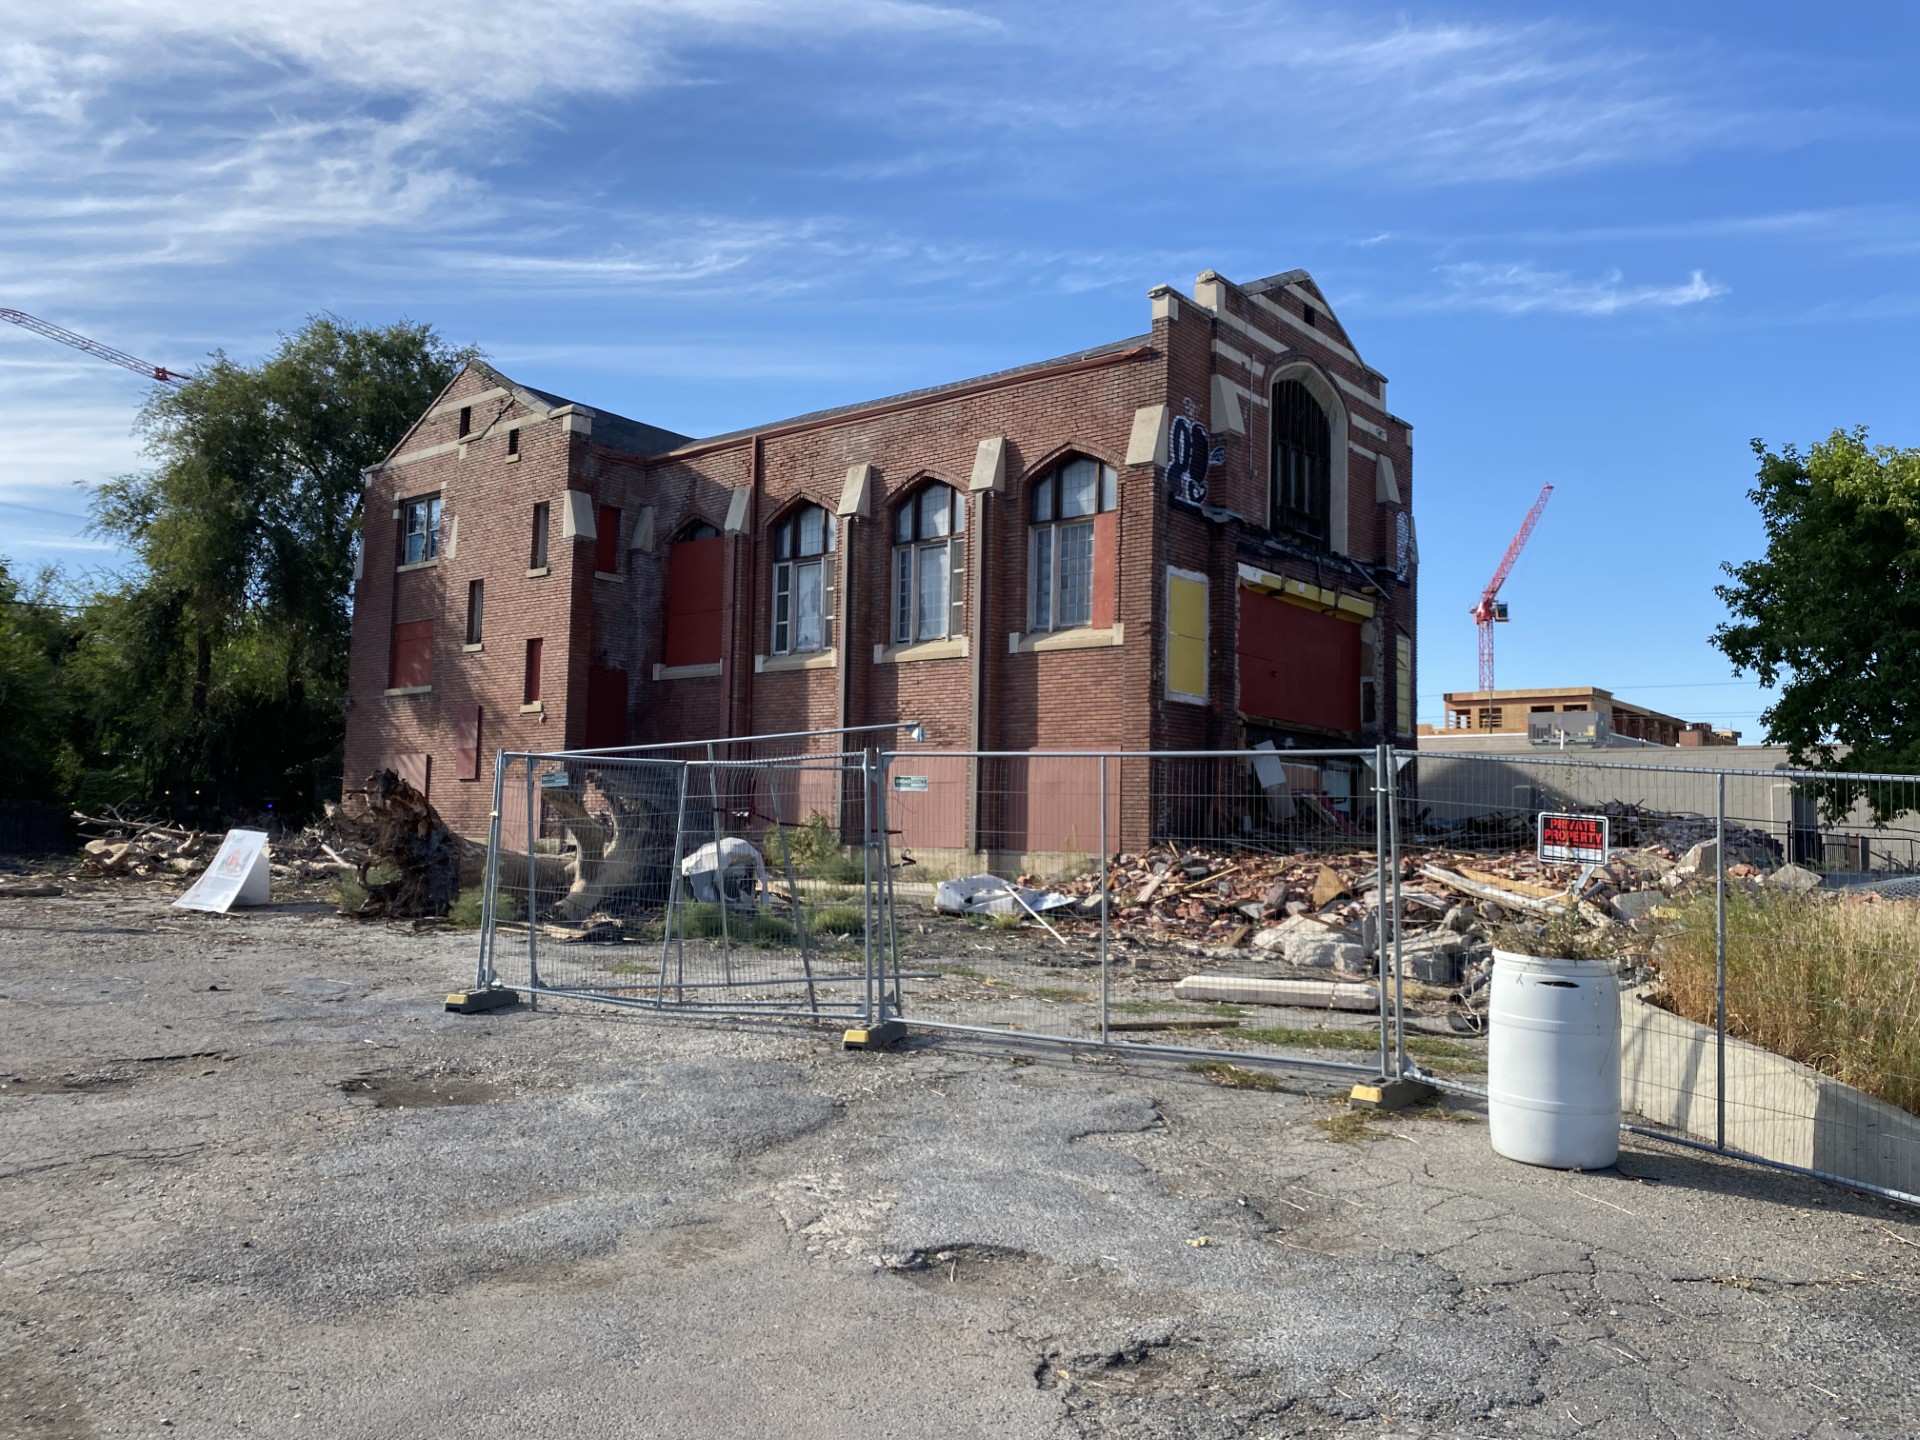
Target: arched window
[(696, 598), (1062, 550), (929, 584), (1302, 455), (801, 543)]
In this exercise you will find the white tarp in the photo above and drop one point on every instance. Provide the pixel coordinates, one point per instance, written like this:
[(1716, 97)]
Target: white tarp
[(990, 895), (237, 876), (736, 856)]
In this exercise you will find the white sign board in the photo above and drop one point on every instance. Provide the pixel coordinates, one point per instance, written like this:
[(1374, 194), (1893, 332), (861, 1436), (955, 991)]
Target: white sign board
[(237, 876)]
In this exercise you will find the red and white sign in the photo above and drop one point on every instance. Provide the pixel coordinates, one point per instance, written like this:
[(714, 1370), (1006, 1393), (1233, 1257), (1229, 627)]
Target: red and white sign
[(1572, 839)]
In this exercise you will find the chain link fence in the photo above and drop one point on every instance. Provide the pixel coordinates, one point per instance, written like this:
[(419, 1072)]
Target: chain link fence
[(744, 886), (1331, 909)]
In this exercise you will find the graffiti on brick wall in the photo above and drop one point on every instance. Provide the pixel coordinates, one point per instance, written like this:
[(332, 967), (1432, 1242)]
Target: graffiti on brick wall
[(1191, 453)]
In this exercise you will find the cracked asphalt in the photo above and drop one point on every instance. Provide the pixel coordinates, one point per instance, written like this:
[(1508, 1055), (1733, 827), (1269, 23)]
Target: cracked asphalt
[(253, 1179)]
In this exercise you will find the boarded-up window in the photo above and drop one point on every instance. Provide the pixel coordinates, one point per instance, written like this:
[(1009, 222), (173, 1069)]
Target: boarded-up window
[(606, 707), (1298, 665), (1403, 683), (530, 686), (416, 769), (606, 540), (466, 761), (1186, 635), (412, 661), (694, 600)]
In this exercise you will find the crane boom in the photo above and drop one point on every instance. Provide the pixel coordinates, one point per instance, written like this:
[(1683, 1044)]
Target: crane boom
[(1488, 611), (93, 347)]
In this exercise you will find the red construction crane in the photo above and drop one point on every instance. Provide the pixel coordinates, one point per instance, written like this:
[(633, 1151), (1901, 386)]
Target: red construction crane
[(93, 347), (1491, 609)]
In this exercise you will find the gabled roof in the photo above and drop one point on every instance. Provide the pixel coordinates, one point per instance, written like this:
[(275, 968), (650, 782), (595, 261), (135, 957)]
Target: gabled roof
[(616, 432)]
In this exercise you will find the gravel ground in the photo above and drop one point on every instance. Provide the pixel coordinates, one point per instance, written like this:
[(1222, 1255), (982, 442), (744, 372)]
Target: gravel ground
[(254, 1178)]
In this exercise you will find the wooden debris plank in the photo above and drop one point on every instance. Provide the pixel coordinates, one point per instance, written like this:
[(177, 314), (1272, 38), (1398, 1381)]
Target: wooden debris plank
[(1518, 887), (1489, 892)]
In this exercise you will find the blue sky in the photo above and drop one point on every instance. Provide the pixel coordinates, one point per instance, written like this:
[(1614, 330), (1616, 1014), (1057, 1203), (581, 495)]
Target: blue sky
[(1601, 246)]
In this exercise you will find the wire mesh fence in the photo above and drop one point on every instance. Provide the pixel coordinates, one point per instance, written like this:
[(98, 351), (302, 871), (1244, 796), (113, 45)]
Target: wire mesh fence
[(1139, 899), (1328, 908), (736, 886), (1771, 966)]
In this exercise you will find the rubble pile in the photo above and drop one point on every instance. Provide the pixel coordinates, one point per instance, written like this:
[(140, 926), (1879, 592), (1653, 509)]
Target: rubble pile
[(120, 846), (1281, 914)]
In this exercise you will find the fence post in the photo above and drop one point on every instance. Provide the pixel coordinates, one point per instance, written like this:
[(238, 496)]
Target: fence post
[(485, 974), (890, 1000), (1720, 961), (1393, 860), (1104, 848), (1381, 759), (533, 888), (671, 943), (720, 867)]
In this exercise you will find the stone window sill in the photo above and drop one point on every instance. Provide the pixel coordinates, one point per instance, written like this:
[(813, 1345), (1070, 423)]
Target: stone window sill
[(536, 708), (512, 460), (417, 565), (955, 648), (408, 690), (812, 660), (472, 649), (1079, 638), (539, 572), (686, 672), (610, 575)]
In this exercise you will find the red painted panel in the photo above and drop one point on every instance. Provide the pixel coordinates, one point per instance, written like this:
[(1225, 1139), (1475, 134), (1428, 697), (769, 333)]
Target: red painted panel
[(1106, 548), (1298, 665), (606, 541), (530, 686), (416, 769), (412, 661), (466, 763), (606, 706), (695, 601)]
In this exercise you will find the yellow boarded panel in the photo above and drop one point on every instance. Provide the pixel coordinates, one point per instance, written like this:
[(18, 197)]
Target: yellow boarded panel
[(1186, 636)]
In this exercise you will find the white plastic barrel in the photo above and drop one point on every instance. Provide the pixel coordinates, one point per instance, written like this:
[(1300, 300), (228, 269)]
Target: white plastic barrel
[(1553, 1062)]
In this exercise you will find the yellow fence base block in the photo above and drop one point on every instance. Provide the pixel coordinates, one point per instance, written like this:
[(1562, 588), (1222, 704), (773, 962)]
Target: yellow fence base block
[(1390, 1094), (478, 1002), (875, 1037)]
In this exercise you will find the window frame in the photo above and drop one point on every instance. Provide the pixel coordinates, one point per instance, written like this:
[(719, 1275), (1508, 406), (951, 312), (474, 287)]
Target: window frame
[(1289, 455), (1047, 537), (427, 507), (476, 611), (792, 562), (530, 672), (915, 543), (537, 550)]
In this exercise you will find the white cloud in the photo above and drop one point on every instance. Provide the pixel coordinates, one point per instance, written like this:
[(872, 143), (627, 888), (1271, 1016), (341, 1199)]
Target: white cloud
[(1520, 289)]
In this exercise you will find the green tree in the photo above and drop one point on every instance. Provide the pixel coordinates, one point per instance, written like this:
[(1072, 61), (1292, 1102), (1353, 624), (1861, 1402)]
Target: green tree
[(35, 634), (1831, 612), (219, 669)]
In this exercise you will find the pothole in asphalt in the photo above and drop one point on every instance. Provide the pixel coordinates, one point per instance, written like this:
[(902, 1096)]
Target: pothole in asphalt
[(432, 1092), (1154, 1361)]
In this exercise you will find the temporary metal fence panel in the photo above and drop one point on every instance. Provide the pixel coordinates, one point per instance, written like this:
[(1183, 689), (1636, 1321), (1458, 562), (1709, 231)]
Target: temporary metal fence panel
[(727, 886), (1053, 947), (1772, 1011)]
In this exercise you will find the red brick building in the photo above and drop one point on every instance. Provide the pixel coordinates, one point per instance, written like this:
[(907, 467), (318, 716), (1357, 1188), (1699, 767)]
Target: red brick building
[(1198, 537)]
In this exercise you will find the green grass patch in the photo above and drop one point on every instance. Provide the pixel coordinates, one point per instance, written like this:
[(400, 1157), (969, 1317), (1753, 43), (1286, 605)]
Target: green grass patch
[(836, 920), (1446, 1054), (1350, 1127), (1240, 1077)]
